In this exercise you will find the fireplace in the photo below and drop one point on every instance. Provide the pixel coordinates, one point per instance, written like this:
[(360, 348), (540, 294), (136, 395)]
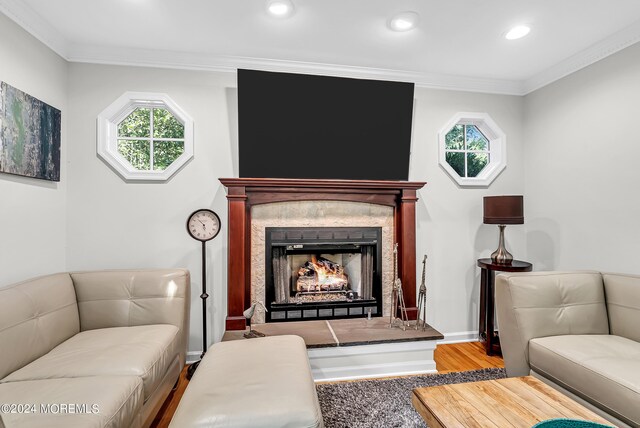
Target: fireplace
[(322, 272), (246, 265)]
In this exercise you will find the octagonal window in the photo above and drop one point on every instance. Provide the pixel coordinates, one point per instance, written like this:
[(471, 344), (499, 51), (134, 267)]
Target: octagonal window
[(145, 136), (472, 149)]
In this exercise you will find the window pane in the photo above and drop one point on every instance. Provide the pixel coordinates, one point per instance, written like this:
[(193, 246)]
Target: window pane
[(454, 140), (456, 160), (475, 139), (136, 152), (137, 124), (165, 152), (165, 125), (476, 163)]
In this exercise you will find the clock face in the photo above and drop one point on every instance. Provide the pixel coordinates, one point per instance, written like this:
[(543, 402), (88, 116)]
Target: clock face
[(203, 225)]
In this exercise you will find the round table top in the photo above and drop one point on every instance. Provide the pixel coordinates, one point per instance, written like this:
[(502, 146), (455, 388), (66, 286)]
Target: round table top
[(514, 266)]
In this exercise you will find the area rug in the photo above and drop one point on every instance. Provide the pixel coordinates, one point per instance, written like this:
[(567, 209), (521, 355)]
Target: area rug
[(386, 402)]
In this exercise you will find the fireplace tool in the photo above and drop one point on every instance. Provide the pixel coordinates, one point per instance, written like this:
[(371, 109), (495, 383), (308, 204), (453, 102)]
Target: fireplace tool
[(248, 313), (397, 298), (421, 320)]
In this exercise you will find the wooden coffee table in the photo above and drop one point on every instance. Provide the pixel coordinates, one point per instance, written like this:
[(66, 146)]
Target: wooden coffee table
[(512, 402)]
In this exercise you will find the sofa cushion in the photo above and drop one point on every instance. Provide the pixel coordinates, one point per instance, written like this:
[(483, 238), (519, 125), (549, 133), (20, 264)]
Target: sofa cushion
[(144, 351), (602, 369), (118, 400), (35, 316)]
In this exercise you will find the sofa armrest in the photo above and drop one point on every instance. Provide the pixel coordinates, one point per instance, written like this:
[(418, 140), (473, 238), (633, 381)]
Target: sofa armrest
[(125, 298), (541, 304)]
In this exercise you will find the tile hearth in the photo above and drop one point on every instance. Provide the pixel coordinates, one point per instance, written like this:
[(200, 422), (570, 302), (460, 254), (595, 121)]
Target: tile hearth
[(345, 332)]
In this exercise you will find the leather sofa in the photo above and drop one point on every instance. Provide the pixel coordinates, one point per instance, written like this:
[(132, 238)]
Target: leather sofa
[(91, 349), (577, 331)]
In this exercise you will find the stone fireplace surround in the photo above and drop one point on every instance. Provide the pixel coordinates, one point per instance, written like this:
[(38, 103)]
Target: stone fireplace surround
[(245, 193), (319, 214)]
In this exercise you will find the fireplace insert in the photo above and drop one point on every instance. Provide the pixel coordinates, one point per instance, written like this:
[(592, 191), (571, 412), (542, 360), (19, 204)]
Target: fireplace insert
[(322, 272)]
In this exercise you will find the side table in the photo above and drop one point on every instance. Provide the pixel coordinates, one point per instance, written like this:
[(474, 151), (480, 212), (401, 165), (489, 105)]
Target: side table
[(487, 299)]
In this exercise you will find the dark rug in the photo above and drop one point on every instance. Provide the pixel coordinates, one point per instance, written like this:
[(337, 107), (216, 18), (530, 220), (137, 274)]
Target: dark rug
[(386, 402)]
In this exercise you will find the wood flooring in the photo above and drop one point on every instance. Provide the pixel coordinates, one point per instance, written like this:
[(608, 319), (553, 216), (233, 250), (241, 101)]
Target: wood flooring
[(456, 357)]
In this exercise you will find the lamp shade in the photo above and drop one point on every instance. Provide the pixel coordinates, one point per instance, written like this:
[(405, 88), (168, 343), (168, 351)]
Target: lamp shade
[(503, 210)]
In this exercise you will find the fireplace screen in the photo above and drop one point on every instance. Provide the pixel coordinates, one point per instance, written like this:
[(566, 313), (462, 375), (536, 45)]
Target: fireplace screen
[(322, 273)]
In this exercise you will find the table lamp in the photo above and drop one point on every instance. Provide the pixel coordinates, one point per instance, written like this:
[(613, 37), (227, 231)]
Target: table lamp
[(503, 210)]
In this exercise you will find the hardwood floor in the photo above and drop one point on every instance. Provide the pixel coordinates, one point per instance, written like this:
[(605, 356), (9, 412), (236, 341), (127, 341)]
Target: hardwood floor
[(460, 357), (456, 357), (171, 403)]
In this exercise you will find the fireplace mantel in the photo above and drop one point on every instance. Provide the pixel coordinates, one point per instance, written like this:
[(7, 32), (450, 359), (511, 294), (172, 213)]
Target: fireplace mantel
[(242, 193)]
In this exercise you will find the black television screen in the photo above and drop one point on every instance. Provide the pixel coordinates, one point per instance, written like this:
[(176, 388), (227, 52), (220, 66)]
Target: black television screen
[(306, 126)]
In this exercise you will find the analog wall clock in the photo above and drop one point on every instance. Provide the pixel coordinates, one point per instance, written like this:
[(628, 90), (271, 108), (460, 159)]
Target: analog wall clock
[(203, 225)]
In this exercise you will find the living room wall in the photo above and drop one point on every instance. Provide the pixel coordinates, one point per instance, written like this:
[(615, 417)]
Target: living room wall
[(92, 219), (114, 224), (32, 212), (581, 168)]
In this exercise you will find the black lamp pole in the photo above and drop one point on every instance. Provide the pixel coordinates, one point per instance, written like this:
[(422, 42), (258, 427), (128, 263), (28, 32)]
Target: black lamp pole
[(204, 296)]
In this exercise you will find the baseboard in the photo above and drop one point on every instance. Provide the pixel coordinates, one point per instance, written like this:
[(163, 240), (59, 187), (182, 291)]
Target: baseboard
[(371, 361), (459, 337), (193, 356)]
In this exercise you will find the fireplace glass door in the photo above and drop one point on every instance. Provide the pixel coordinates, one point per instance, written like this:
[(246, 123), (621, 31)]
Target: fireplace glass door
[(322, 273)]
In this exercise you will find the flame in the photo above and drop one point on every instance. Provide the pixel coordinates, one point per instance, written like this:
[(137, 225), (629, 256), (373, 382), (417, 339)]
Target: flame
[(327, 275)]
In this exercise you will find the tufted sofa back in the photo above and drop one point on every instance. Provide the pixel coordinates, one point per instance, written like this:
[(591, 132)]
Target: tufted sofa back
[(35, 317), (126, 298), (542, 304)]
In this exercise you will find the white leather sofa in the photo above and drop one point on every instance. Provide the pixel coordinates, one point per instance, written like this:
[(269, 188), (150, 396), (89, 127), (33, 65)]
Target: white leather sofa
[(91, 349), (577, 331)]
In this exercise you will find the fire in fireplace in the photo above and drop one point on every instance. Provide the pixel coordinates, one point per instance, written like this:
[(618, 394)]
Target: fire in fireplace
[(323, 273)]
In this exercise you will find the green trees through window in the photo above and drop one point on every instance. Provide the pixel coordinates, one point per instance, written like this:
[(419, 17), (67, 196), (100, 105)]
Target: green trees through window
[(150, 139), (466, 150)]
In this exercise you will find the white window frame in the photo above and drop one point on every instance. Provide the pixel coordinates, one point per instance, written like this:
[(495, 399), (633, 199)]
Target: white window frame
[(107, 142), (497, 148)]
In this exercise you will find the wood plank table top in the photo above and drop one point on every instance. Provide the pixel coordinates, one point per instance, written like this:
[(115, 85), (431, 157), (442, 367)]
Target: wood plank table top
[(513, 402)]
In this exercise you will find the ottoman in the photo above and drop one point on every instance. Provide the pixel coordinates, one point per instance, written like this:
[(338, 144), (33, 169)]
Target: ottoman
[(257, 383)]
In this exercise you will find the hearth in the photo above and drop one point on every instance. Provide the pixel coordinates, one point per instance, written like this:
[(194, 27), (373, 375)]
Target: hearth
[(322, 272)]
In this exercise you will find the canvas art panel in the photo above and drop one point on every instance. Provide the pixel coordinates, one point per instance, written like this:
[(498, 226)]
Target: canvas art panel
[(29, 135)]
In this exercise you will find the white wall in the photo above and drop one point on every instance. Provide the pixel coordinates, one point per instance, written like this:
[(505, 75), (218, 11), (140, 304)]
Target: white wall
[(32, 212), (581, 174), (95, 220), (449, 218), (113, 224)]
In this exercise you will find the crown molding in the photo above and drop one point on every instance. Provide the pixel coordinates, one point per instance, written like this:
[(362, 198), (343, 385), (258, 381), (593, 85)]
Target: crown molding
[(594, 53), (27, 18), (198, 61), (23, 15)]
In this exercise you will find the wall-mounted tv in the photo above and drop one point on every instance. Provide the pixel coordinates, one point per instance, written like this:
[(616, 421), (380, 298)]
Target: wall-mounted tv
[(307, 126)]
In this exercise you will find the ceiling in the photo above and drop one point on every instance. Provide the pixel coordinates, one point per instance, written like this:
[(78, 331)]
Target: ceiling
[(458, 44)]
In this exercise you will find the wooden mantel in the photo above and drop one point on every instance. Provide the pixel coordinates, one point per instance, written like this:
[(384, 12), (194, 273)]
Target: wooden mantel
[(242, 193)]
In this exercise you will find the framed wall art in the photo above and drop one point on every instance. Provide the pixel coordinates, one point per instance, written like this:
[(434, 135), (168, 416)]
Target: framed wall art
[(29, 135)]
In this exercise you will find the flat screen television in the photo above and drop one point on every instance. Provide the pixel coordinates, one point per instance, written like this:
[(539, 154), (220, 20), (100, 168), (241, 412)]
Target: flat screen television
[(307, 126)]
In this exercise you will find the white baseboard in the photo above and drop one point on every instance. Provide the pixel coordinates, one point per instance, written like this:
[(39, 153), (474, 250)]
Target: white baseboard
[(459, 337), (193, 356), (370, 361)]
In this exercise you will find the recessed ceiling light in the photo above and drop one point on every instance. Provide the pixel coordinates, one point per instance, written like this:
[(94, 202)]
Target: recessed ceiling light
[(404, 21), (517, 32), (280, 8)]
